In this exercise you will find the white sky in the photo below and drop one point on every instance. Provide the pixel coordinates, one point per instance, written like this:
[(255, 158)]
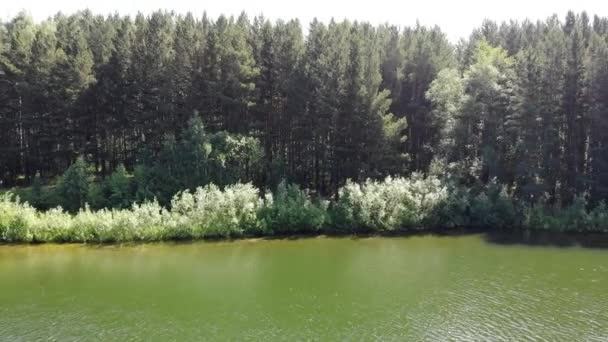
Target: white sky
[(457, 17)]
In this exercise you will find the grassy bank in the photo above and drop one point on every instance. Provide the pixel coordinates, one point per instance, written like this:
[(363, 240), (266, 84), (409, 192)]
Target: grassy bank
[(391, 206)]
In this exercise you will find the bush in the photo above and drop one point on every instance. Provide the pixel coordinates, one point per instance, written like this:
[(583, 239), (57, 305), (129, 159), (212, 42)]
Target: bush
[(390, 205), (598, 218), (394, 204), (211, 212), (15, 219), (536, 218), (142, 222), (453, 211), (54, 225), (290, 210), (575, 216), (494, 208)]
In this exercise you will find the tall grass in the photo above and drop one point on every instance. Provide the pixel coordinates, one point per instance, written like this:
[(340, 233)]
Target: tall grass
[(391, 205)]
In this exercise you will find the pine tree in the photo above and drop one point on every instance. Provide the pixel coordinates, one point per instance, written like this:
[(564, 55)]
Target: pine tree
[(597, 78), (519, 102), (426, 52), (19, 37), (573, 107)]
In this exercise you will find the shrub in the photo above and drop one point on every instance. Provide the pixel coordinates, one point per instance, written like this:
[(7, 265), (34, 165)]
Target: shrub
[(374, 206), (493, 208), (598, 218), (453, 211), (393, 204), (574, 217), (141, 222), (211, 212), (54, 225), (15, 219), (291, 210)]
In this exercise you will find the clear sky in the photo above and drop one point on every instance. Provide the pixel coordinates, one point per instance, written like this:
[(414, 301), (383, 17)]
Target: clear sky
[(456, 18)]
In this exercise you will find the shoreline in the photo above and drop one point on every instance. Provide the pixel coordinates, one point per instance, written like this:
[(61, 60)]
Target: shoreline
[(516, 236)]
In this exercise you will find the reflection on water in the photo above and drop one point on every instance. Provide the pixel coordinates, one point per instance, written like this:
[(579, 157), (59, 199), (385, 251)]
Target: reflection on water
[(496, 286), (546, 238)]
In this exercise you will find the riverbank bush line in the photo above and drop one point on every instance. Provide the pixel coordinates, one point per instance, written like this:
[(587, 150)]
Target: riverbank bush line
[(390, 206)]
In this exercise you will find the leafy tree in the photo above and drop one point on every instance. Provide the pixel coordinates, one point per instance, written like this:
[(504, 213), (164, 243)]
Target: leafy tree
[(478, 119), (73, 187), (446, 93), (197, 159), (119, 188)]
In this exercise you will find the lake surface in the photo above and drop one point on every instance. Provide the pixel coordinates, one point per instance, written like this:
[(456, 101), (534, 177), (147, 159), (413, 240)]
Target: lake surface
[(406, 289)]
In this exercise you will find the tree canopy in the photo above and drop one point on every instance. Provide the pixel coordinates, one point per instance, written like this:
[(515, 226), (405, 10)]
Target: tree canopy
[(521, 103)]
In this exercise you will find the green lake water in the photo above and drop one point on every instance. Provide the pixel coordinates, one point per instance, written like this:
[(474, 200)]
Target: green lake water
[(356, 289)]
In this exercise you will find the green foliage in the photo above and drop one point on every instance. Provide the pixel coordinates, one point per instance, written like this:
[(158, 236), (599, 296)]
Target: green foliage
[(391, 205), (447, 95), (290, 210), (97, 196), (513, 120), (15, 219), (474, 113), (494, 208), (119, 188), (206, 213), (197, 159), (36, 195), (524, 103), (210, 212), (575, 217), (73, 187), (536, 218), (598, 218), (453, 211)]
